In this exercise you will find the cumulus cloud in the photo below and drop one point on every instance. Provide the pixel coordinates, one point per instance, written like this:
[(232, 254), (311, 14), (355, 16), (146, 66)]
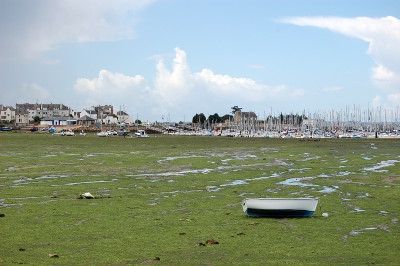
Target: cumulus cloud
[(177, 90), (383, 36), (181, 88), (33, 27), (111, 87), (248, 89), (172, 86)]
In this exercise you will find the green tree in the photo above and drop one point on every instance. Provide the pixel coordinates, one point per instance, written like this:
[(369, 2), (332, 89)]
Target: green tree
[(199, 118), (215, 118), (226, 117), (36, 119)]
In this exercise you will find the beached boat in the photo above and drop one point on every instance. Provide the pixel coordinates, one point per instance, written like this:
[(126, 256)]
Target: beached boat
[(280, 207), (122, 132), (69, 132), (5, 128), (141, 134), (102, 134)]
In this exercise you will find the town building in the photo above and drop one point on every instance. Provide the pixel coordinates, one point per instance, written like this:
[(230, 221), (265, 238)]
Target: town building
[(21, 120), (89, 113), (58, 121), (42, 110), (86, 121), (103, 109), (124, 117), (244, 117), (7, 113)]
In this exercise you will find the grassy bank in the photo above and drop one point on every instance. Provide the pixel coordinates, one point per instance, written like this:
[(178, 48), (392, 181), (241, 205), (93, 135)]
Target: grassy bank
[(158, 200)]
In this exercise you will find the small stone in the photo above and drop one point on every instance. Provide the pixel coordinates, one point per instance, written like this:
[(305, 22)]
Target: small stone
[(201, 244), (157, 258), (52, 256), (2, 215), (21, 249), (325, 214)]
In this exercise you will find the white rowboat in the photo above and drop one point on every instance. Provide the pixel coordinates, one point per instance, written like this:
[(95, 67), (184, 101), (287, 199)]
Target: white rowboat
[(280, 207)]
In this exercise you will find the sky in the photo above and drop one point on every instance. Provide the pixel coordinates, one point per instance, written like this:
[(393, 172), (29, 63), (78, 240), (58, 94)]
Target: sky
[(167, 60)]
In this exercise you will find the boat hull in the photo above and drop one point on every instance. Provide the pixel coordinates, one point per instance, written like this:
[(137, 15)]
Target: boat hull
[(280, 207)]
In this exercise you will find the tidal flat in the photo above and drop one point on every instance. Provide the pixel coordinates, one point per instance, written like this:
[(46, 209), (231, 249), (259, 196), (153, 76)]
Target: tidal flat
[(176, 200)]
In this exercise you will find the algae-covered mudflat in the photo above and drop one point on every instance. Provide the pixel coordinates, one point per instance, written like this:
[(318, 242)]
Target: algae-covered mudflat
[(159, 200)]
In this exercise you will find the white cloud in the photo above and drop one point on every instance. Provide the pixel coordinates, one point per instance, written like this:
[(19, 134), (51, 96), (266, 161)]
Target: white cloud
[(171, 87), (244, 88), (110, 88), (386, 79), (29, 28), (179, 91), (183, 89), (383, 36)]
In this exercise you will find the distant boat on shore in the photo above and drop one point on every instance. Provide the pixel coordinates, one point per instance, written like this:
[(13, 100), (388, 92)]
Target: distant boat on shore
[(102, 134), (141, 134), (5, 128)]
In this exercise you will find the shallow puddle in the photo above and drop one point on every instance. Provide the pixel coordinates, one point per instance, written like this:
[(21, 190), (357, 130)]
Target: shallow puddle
[(235, 183), (378, 167), (357, 232), (298, 181), (167, 159), (88, 182), (329, 189)]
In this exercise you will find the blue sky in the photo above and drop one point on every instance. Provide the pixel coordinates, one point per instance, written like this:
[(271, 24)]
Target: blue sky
[(172, 59)]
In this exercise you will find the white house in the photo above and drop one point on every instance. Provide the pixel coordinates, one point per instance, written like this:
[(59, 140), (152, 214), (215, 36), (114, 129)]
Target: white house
[(123, 117), (58, 121), (90, 113), (43, 110), (7, 113), (109, 119), (76, 114)]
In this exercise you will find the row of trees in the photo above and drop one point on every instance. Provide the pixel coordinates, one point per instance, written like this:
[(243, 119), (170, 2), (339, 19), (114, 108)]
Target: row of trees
[(215, 118), (281, 119)]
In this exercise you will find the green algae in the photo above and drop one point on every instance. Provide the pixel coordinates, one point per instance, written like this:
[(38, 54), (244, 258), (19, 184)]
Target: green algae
[(158, 200)]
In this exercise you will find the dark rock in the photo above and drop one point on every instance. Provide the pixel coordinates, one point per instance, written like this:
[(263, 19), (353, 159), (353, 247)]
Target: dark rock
[(2, 215)]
